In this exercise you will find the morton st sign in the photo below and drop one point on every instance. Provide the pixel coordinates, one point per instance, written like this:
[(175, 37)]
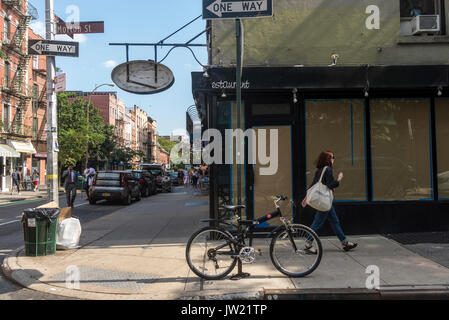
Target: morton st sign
[(234, 9), (53, 48)]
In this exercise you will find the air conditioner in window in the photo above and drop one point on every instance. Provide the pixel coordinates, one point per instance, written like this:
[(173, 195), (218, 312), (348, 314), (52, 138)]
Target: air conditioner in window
[(426, 24)]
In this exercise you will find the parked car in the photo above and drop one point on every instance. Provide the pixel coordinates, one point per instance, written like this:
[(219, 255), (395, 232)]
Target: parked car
[(175, 179), (114, 185), (163, 181), (147, 182)]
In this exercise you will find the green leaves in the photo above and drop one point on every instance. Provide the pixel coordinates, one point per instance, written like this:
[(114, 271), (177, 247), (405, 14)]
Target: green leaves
[(75, 133)]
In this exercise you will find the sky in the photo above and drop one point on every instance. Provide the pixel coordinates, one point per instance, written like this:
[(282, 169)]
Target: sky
[(137, 21)]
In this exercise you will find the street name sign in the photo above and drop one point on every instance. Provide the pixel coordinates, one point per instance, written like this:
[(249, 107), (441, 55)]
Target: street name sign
[(53, 48), (234, 9), (80, 27)]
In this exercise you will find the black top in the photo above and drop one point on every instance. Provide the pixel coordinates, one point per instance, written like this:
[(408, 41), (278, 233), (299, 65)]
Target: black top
[(328, 178)]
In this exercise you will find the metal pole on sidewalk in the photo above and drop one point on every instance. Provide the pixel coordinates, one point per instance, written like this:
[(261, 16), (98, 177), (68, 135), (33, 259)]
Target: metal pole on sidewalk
[(238, 34), (52, 120)]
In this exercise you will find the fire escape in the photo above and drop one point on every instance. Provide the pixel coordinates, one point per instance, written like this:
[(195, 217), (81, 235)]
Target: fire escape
[(17, 46)]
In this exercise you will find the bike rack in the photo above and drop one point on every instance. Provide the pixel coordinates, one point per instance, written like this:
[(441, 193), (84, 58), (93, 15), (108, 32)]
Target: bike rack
[(240, 274)]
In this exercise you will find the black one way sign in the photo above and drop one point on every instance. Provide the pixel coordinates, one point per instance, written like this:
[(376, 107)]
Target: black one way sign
[(53, 48), (233, 9)]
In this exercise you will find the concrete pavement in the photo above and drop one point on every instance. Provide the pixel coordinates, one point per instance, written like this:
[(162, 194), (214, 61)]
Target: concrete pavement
[(139, 253)]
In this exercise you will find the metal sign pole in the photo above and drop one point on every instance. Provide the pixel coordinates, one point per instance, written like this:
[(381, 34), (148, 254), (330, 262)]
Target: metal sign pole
[(52, 134), (238, 72)]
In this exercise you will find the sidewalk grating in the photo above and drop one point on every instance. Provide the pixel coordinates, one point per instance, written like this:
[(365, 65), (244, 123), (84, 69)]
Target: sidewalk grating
[(420, 237)]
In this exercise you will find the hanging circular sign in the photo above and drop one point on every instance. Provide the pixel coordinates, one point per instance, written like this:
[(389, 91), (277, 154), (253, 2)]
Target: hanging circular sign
[(142, 77)]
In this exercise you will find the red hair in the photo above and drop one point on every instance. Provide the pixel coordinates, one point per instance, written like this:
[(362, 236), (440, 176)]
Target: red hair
[(324, 159)]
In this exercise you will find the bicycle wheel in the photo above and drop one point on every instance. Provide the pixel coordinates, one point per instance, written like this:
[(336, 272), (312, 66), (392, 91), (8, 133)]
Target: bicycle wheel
[(297, 263), (210, 253)]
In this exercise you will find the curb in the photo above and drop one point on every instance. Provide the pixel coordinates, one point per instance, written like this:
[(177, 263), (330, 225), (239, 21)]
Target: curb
[(13, 272)]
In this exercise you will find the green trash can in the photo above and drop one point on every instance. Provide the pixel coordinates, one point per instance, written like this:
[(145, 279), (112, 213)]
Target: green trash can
[(39, 231), (80, 183)]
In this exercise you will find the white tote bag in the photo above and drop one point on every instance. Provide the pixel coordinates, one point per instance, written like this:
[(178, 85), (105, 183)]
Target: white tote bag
[(319, 196)]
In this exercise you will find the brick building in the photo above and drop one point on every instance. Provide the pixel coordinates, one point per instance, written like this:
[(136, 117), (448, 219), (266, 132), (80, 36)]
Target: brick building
[(20, 93), (111, 108)]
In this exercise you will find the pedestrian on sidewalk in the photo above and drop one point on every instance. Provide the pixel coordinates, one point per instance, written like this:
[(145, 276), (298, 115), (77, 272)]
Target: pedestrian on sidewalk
[(89, 175), (15, 180), (36, 180), (70, 177), (195, 179), (326, 161), (186, 178)]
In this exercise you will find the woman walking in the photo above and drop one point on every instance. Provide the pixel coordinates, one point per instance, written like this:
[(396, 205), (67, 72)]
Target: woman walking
[(36, 180), (325, 161)]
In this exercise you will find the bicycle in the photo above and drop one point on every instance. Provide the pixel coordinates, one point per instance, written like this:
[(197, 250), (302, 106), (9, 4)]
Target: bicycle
[(213, 252)]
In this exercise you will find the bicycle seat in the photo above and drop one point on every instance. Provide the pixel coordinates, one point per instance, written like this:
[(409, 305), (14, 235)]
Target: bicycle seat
[(233, 207)]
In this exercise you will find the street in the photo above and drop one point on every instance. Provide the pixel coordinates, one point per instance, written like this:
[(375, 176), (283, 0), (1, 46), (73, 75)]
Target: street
[(11, 237)]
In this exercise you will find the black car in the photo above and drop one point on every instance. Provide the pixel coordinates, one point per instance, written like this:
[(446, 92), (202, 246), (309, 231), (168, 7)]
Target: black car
[(114, 185), (147, 182), (175, 179), (163, 181)]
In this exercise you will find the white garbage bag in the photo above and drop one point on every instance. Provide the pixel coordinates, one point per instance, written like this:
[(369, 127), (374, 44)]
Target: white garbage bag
[(68, 235)]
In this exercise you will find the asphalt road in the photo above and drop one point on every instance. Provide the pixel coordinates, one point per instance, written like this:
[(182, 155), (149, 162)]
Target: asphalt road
[(11, 238)]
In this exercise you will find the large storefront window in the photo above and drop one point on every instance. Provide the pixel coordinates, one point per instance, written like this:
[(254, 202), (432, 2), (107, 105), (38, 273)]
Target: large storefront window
[(401, 149), (442, 134), (338, 126)]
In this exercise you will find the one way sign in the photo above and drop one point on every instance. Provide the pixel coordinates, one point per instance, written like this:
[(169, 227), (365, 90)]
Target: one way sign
[(53, 48), (234, 9)]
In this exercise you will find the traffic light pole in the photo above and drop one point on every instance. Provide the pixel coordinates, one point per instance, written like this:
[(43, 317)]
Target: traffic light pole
[(52, 120)]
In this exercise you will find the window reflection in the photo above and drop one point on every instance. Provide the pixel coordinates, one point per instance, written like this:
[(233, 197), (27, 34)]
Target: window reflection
[(442, 134), (400, 149), (338, 126)]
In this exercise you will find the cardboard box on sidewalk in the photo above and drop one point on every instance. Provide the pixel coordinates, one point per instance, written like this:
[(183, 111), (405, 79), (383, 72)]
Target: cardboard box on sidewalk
[(65, 213)]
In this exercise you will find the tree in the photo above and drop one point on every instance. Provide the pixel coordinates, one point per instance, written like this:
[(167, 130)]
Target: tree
[(166, 144), (73, 133)]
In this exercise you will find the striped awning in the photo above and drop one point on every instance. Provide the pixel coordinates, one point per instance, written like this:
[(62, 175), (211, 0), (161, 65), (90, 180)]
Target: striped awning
[(8, 152), (22, 146)]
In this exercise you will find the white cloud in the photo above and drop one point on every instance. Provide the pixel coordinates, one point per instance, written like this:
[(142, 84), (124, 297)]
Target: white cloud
[(39, 28), (109, 64)]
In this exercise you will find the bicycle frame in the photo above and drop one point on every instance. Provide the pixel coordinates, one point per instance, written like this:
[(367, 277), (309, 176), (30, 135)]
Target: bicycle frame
[(248, 227)]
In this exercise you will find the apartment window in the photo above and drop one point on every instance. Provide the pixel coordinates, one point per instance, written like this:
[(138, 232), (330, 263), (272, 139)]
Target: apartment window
[(338, 126), (35, 62), (35, 127), (401, 149), (7, 73), (432, 22), (35, 98), (6, 115), (6, 30)]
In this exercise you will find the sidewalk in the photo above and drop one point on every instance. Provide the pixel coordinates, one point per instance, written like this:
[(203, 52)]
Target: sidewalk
[(7, 197), (139, 253)]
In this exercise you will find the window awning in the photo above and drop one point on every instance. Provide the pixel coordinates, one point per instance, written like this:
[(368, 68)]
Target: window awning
[(8, 152), (22, 146)]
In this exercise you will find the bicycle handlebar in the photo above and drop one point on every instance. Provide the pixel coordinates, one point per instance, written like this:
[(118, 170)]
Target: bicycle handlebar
[(279, 198)]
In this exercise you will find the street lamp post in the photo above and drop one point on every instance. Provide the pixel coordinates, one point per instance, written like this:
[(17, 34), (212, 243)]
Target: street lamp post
[(87, 116)]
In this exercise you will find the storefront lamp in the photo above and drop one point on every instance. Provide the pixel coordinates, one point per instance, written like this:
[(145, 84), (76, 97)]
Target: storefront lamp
[(440, 91)]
